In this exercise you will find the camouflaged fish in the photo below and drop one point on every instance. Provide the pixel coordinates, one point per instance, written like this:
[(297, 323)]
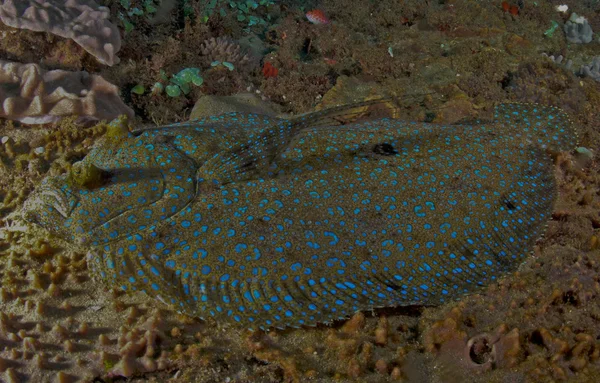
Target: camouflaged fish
[(287, 222)]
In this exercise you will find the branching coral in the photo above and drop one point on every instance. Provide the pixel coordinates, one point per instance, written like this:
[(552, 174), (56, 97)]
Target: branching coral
[(593, 69), (590, 70)]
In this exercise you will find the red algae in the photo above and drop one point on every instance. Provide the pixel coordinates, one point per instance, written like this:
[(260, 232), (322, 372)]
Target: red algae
[(269, 70)]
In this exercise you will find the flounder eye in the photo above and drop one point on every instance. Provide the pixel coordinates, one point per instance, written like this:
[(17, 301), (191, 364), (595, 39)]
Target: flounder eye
[(87, 175)]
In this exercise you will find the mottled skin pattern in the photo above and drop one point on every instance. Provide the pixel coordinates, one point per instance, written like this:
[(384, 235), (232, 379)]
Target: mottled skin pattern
[(271, 222)]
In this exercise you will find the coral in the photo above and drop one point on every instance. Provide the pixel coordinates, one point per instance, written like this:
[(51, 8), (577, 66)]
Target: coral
[(578, 30), (250, 11), (559, 60), (481, 353), (147, 8), (224, 49), (182, 81), (84, 21), (592, 70), (138, 347), (32, 95)]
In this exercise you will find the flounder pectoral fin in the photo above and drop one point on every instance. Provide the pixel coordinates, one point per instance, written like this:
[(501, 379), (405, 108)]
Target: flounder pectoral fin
[(239, 164), (248, 157)]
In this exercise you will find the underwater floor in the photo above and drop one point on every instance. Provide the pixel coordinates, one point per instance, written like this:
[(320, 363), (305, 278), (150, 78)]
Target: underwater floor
[(446, 61)]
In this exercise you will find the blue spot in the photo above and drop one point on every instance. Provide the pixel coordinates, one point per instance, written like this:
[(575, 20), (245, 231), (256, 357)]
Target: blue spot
[(334, 238), (241, 247)]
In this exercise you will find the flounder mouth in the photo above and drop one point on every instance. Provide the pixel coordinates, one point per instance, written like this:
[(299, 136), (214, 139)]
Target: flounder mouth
[(57, 200), (52, 194)]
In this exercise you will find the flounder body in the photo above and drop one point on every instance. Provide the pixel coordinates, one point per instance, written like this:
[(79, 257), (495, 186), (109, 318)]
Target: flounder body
[(272, 222)]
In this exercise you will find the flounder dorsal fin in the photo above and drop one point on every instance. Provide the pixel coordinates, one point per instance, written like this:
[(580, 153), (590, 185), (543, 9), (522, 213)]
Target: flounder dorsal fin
[(547, 126), (338, 115), (221, 122)]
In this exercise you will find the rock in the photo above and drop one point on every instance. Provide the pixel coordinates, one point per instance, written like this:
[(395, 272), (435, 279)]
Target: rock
[(242, 102)]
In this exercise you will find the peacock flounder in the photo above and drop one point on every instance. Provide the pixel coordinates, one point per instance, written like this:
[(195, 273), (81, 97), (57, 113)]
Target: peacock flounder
[(287, 222)]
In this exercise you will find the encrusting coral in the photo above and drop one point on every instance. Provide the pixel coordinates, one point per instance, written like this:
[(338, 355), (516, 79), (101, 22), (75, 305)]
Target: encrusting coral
[(32, 95), (84, 21)]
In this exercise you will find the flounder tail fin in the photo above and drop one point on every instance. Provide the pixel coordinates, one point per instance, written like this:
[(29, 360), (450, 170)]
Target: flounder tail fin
[(547, 126)]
